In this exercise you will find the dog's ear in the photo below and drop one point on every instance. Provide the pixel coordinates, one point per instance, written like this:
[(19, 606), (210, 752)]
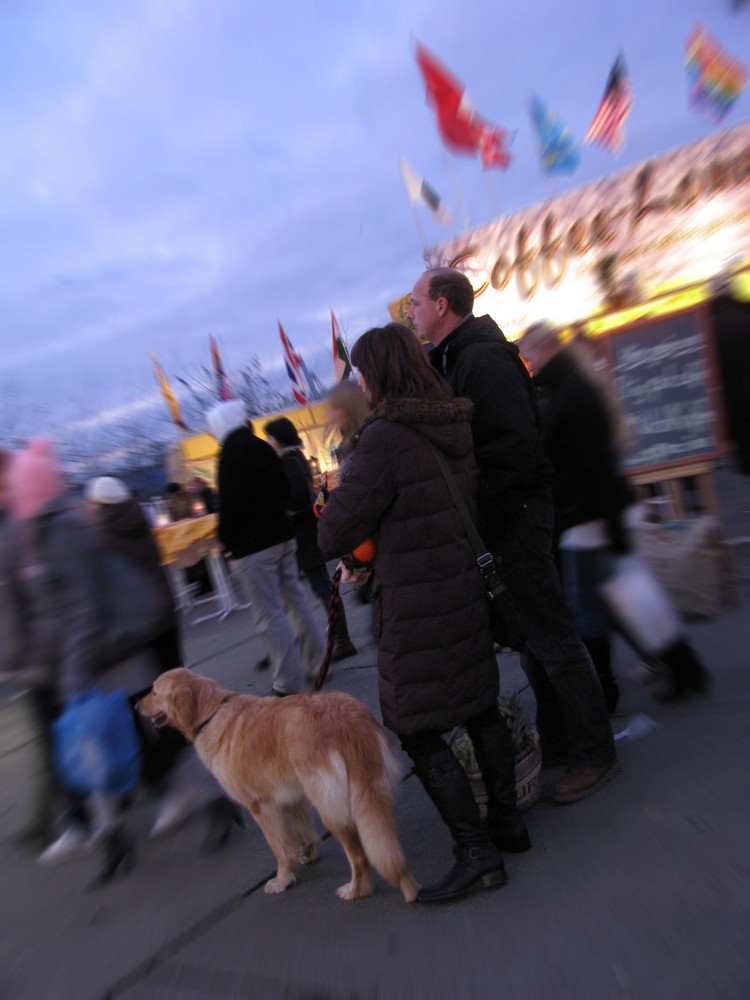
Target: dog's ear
[(181, 711), (208, 697)]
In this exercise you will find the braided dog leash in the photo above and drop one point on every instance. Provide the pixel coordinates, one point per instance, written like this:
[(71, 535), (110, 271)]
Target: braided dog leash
[(334, 605)]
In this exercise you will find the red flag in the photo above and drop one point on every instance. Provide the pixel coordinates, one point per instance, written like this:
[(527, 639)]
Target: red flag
[(444, 93), (491, 143), (460, 127), (294, 368), (222, 382), (608, 127)]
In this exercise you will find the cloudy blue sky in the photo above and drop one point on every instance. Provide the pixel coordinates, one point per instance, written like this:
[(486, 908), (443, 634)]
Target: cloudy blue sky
[(174, 168)]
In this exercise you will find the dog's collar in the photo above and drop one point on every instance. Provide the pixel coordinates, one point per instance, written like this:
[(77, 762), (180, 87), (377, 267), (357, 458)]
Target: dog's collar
[(205, 722)]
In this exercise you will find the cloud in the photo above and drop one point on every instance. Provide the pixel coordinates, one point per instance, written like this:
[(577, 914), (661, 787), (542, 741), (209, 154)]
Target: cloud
[(171, 169)]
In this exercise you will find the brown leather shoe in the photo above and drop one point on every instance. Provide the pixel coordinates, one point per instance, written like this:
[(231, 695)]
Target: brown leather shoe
[(579, 783)]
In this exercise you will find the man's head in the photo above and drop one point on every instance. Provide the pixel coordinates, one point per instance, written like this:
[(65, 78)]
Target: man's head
[(282, 434), (440, 299), (539, 344)]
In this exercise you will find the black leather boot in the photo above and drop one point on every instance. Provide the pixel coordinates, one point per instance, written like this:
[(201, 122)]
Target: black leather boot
[(687, 673), (600, 651), (493, 749), (477, 859)]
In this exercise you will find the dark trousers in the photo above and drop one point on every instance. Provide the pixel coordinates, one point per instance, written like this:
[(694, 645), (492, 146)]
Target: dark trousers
[(572, 715), (50, 797), (448, 785)]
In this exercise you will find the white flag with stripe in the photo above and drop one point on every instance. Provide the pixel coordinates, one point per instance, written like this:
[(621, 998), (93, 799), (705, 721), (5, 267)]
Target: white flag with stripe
[(418, 190)]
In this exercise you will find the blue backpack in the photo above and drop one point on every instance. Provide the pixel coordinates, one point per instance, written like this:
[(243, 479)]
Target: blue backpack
[(95, 744)]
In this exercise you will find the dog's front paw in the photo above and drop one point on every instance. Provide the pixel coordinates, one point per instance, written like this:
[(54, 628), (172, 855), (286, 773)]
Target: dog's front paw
[(279, 884)]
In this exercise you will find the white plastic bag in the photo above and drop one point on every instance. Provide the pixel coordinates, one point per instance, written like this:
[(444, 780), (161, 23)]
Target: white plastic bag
[(641, 606)]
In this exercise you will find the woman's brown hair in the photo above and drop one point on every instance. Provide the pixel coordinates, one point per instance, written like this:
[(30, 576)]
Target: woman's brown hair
[(394, 365)]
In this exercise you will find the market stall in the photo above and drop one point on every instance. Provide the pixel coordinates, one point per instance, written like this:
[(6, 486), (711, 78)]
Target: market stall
[(632, 262)]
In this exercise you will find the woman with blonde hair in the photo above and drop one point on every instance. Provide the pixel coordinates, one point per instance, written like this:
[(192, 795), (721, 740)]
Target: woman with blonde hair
[(347, 411)]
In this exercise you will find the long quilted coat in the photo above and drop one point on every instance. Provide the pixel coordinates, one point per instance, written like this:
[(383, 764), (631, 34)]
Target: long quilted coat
[(436, 663)]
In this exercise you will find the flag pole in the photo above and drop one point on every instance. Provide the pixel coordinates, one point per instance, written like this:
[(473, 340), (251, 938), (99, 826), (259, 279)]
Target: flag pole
[(457, 191), (420, 229), (491, 193)]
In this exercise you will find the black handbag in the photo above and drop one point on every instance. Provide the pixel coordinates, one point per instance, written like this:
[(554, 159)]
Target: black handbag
[(506, 627)]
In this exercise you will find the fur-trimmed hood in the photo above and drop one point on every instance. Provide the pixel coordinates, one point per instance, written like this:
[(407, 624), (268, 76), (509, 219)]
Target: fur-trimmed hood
[(426, 411), (443, 422)]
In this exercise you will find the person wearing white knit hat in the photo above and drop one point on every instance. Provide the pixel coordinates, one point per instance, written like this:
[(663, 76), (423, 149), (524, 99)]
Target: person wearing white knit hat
[(255, 528), (107, 489)]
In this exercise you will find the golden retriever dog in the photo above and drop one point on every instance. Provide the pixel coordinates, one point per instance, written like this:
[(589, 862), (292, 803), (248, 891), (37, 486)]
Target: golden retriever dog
[(274, 755)]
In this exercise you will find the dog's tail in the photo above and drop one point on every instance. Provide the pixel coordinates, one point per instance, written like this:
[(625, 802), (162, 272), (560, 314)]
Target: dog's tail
[(371, 799)]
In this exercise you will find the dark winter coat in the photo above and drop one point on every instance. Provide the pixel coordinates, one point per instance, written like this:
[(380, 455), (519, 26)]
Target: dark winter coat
[(300, 508), (436, 663), (483, 366), (580, 441), (56, 589), (127, 530), (731, 326), (253, 495)]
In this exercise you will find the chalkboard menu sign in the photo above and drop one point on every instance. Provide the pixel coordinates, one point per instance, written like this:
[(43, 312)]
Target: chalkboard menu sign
[(663, 377)]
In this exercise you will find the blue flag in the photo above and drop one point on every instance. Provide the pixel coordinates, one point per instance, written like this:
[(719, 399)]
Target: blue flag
[(558, 150)]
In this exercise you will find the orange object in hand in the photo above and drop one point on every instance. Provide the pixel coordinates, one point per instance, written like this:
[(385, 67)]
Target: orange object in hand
[(366, 551), (362, 556)]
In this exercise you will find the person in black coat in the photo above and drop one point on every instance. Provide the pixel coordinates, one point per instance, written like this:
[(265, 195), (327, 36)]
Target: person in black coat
[(166, 765), (517, 521), (257, 532), (591, 497), (436, 664), (312, 564)]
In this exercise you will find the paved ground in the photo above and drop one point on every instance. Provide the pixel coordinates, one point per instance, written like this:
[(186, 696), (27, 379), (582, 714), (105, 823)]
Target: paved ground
[(641, 891)]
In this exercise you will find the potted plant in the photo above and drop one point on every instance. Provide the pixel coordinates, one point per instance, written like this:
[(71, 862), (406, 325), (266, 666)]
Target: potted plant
[(528, 757)]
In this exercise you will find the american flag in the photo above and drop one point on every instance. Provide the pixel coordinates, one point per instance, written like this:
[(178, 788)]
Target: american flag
[(294, 368), (607, 128)]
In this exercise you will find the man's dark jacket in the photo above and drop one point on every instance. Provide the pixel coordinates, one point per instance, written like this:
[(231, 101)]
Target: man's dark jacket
[(253, 493), (588, 485), (300, 506), (483, 366)]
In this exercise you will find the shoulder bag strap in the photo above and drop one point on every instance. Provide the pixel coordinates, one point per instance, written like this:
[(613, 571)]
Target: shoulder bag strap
[(485, 559)]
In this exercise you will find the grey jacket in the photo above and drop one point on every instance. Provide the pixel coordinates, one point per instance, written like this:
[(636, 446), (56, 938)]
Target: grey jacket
[(54, 591)]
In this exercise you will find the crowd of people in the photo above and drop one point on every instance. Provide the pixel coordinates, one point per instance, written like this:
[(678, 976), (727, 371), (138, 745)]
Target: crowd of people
[(449, 418)]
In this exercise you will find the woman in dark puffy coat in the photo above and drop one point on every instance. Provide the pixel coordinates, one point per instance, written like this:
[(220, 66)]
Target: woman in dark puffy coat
[(436, 664)]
